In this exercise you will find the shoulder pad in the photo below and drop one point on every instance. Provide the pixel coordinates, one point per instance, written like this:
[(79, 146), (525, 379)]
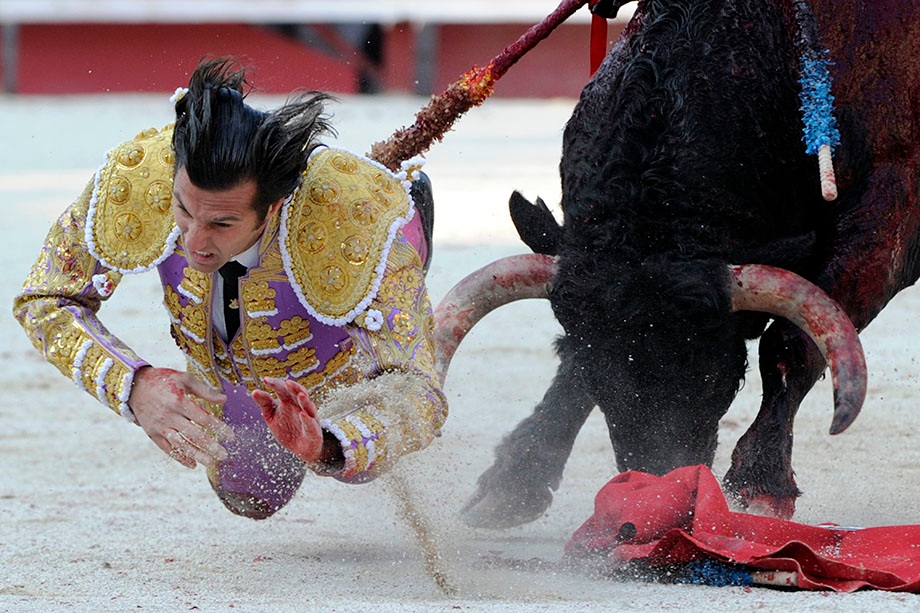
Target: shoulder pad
[(337, 231), (130, 226)]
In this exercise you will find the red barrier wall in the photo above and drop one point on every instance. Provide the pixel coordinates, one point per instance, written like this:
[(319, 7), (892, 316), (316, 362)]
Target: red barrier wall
[(94, 58)]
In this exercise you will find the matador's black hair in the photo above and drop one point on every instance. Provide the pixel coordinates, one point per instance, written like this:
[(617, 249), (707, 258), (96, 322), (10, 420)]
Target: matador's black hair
[(222, 141)]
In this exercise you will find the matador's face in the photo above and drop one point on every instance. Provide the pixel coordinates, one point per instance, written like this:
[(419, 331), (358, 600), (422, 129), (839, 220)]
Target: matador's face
[(216, 225)]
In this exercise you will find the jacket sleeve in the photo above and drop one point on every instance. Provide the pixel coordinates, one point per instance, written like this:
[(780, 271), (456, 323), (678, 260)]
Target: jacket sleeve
[(399, 407), (58, 306)]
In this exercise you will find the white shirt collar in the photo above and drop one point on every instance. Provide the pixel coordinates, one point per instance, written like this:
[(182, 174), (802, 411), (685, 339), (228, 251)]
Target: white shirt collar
[(250, 257)]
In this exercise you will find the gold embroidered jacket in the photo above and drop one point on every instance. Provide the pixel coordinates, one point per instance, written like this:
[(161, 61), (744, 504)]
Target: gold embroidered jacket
[(337, 301)]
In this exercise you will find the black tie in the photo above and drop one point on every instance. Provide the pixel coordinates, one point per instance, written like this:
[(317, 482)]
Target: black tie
[(231, 273)]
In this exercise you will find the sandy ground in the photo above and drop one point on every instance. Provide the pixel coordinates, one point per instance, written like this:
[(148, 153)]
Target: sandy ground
[(93, 517)]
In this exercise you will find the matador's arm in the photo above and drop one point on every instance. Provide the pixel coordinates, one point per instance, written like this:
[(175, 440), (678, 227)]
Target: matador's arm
[(399, 408), (58, 306)]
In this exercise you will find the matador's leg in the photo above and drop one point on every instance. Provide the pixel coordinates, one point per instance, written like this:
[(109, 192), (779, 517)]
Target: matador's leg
[(259, 476)]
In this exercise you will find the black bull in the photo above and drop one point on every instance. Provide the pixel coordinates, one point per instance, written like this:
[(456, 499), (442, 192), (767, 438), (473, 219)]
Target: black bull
[(684, 155)]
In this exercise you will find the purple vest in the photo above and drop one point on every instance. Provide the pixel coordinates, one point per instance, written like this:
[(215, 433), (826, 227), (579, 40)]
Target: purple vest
[(277, 336)]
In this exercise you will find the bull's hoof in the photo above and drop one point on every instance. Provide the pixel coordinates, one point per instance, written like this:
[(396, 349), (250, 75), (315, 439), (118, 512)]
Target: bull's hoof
[(782, 507), (498, 509)]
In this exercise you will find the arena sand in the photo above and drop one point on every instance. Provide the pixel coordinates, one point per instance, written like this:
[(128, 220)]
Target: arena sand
[(93, 517)]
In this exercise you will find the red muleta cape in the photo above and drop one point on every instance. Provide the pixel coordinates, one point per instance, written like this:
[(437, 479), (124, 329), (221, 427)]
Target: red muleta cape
[(683, 517)]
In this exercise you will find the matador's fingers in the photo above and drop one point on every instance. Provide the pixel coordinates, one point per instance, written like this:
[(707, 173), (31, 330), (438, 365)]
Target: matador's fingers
[(303, 399), (169, 448), (204, 419), (201, 390), (287, 394), (278, 386), (266, 402), (187, 452), (198, 440)]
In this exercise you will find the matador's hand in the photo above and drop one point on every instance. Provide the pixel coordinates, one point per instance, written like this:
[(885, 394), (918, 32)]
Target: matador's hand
[(291, 418), (178, 425)]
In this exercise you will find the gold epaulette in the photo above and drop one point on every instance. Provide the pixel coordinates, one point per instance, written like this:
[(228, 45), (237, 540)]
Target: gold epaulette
[(130, 225), (337, 231)]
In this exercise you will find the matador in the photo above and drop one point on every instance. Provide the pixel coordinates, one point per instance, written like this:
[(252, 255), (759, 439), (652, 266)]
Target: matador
[(293, 278)]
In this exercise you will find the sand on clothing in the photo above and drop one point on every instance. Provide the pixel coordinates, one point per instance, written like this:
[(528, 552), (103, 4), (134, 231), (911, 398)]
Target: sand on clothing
[(93, 517)]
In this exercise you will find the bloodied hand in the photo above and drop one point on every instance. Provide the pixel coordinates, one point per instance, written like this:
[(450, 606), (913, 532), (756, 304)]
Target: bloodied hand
[(291, 417), (163, 404)]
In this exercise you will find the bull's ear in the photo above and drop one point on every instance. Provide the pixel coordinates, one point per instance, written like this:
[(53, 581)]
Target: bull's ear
[(535, 224)]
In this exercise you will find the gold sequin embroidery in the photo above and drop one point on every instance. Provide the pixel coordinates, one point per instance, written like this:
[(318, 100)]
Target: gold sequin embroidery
[(132, 222), (343, 215), (302, 361), (259, 298), (262, 337), (295, 331), (195, 285)]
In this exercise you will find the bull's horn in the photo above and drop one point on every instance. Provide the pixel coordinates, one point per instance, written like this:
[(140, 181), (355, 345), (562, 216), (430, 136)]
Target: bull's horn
[(503, 281), (780, 292)]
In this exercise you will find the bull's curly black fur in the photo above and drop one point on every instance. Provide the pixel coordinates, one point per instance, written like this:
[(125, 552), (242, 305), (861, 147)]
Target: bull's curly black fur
[(675, 164), (684, 154)]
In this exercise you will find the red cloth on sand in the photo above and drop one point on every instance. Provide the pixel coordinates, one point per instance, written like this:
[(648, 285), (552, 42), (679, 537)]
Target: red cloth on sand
[(683, 516)]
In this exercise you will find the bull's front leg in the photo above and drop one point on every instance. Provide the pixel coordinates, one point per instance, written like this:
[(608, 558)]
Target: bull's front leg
[(529, 462), (873, 256), (761, 476)]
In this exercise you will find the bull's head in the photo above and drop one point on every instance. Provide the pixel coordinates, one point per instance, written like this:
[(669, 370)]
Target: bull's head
[(752, 288)]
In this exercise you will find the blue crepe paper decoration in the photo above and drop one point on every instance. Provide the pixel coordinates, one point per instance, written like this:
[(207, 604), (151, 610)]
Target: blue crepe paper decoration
[(717, 574), (817, 105)]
